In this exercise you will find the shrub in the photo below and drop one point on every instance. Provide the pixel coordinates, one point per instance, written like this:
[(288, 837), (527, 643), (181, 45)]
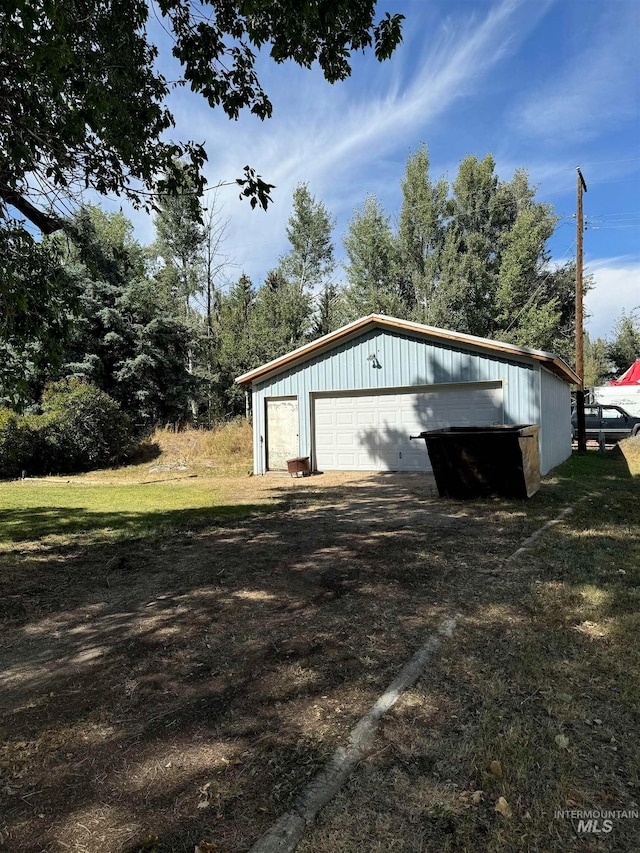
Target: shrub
[(81, 428), (16, 441)]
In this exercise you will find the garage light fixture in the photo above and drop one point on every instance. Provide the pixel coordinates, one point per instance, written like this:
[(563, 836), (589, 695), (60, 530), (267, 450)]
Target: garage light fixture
[(373, 358)]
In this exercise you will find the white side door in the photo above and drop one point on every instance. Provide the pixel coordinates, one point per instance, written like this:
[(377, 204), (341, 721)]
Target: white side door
[(282, 432)]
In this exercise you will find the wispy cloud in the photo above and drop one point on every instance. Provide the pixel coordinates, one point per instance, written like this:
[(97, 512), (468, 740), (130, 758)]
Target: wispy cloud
[(338, 138), (595, 90)]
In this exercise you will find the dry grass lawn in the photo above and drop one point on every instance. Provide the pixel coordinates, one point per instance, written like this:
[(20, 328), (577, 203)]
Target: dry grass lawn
[(630, 449), (183, 655), (535, 700)]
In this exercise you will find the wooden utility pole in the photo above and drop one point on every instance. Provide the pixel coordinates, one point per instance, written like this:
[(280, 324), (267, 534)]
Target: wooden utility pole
[(582, 438)]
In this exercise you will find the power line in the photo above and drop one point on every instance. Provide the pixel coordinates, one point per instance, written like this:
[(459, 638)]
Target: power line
[(607, 215), (566, 188), (539, 287), (619, 223), (616, 181), (612, 227), (611, 162)]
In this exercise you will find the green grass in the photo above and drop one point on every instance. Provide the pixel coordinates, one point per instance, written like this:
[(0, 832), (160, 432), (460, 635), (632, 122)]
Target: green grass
[(181, 480), (31, 510)]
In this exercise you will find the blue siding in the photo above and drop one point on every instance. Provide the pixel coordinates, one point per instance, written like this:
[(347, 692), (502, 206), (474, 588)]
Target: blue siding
[(555, 432), (404, 362)]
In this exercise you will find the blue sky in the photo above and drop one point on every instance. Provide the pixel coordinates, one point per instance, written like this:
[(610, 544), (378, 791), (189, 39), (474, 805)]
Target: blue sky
[(540, 84)]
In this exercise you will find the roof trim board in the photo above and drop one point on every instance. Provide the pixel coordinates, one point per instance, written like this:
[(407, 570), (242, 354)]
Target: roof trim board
[(552, 362)]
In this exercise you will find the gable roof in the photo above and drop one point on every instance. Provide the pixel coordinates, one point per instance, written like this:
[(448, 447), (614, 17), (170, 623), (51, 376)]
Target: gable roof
[(552, 362)]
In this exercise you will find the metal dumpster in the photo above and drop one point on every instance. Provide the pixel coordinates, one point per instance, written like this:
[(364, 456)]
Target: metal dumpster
[(471, 462)]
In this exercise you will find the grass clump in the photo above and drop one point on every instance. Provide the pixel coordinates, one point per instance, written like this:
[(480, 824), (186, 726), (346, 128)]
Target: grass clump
[(229, 444), (630, 449)]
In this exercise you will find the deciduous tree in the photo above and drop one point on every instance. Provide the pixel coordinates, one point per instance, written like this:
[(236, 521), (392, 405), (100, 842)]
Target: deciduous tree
[(84, 106), (495, 277), (82, 103), (36, 295), (310, 262), (180, 240), (463, 298), (597, 367), (373, 272), (421, 232), (624, 348)]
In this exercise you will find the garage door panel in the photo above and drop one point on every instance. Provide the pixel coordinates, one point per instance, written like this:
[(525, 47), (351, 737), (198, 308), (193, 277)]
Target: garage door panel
[(389, 419), (377, 427), (324, 419), (366, 417), (366, 461), (346, 439), (325, 440), (388, 401), (409, 418), (346, 461)]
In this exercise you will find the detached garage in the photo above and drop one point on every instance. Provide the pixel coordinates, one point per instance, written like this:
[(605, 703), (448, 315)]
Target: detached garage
[(351, 399)]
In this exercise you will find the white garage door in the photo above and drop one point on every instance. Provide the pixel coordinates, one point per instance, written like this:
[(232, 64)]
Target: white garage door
[(371, 432)]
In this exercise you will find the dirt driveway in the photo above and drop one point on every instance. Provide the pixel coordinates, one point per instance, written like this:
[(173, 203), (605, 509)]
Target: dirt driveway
[(162, 691)]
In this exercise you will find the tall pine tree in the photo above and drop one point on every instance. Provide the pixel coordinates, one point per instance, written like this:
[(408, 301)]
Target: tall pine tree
[(280, 319), (125, 338), (235, 343)]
